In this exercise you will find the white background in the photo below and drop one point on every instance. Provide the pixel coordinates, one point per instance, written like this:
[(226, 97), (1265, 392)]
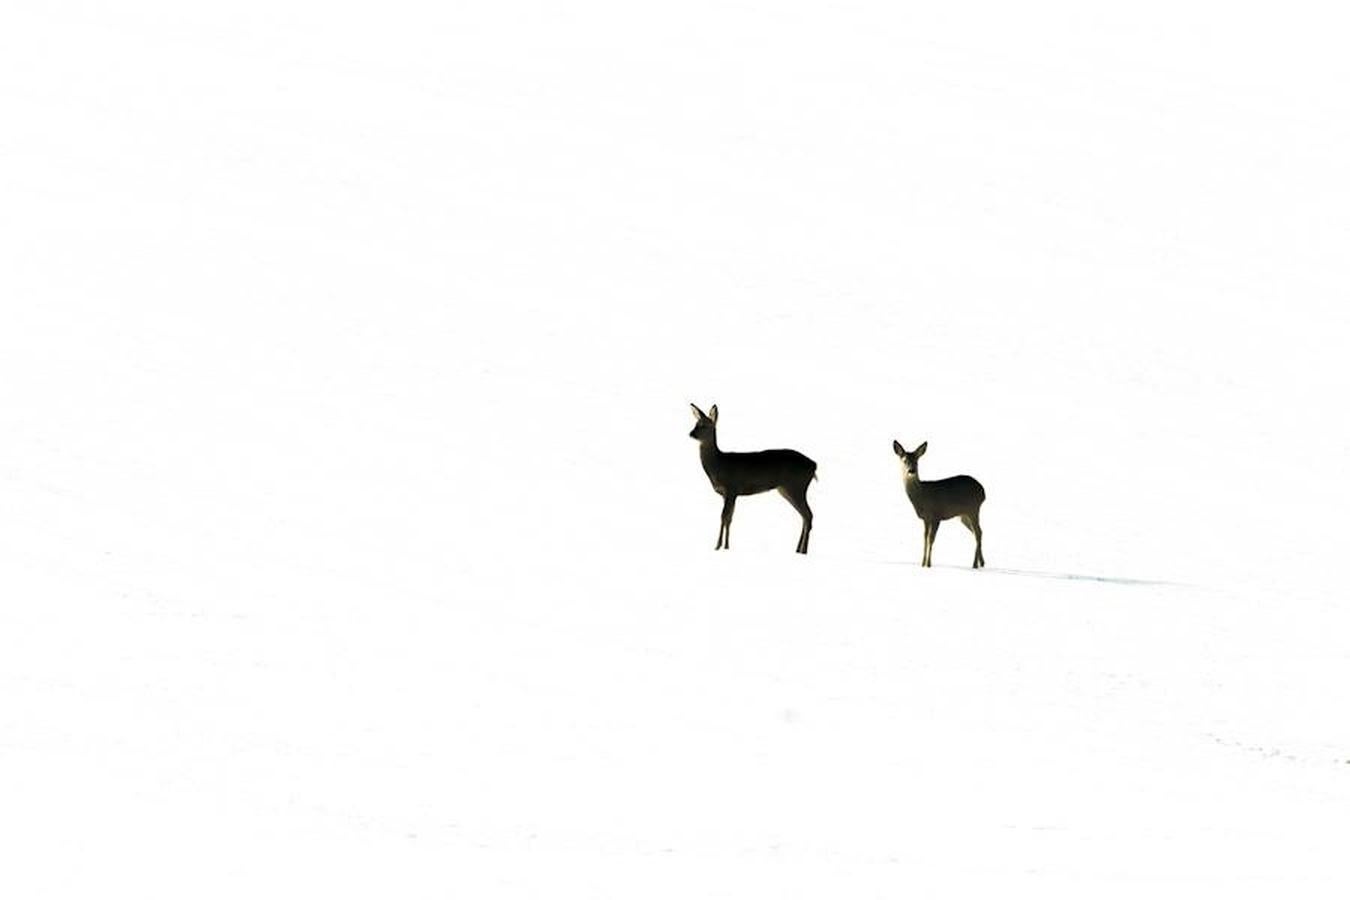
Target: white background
[(351, 543)]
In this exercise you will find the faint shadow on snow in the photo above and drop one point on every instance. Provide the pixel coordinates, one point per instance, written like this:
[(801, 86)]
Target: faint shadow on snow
[(1103, 579), (1066, 576)]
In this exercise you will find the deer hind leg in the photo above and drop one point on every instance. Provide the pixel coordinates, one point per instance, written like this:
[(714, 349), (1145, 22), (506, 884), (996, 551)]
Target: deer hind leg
[(972, 522), (979, 538), (724, 533), (796, 495)]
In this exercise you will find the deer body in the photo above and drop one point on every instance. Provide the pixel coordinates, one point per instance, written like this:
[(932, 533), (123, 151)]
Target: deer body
[(739, 474), (936, 501)]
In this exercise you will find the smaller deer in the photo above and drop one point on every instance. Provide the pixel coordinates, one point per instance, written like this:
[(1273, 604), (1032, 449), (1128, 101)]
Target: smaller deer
[(737, 474), (945, 498)]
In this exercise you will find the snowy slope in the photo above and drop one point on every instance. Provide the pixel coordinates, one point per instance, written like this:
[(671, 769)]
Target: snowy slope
[(353, 544)]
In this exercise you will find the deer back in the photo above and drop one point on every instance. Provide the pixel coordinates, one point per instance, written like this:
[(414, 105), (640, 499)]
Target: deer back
[(754, 473), (945, 498)]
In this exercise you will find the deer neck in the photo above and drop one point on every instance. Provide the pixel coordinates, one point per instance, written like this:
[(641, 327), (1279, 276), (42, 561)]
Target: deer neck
[(709, 455), (914, 489)]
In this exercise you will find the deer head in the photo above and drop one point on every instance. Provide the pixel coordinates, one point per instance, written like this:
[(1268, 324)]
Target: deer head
[(705, 428)]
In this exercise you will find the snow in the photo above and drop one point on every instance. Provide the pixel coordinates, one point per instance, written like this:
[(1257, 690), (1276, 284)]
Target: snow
[(353, 544)]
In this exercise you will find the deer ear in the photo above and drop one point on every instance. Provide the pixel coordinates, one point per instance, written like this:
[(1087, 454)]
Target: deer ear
[(918, 451), (895, 445), (698, 412), (712, 413)]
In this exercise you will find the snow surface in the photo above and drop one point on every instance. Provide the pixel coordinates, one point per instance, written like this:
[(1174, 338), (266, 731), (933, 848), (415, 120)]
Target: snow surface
[(352, 544)]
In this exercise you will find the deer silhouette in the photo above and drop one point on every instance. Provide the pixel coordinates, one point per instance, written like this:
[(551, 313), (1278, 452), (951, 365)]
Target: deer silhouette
[(945, 498), (738, 474)]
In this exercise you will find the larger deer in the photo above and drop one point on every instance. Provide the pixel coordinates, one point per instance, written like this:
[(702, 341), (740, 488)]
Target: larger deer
[(945, 498), (737, 474)]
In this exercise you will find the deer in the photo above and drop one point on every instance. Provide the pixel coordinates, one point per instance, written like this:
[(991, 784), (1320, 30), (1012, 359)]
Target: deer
[(946, 498), (739, 474)]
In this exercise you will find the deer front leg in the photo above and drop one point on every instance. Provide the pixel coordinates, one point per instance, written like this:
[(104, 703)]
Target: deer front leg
[(930, 536), (724, 535)]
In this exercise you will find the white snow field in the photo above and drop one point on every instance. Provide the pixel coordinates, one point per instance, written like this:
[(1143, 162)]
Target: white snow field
[(352, 543)]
